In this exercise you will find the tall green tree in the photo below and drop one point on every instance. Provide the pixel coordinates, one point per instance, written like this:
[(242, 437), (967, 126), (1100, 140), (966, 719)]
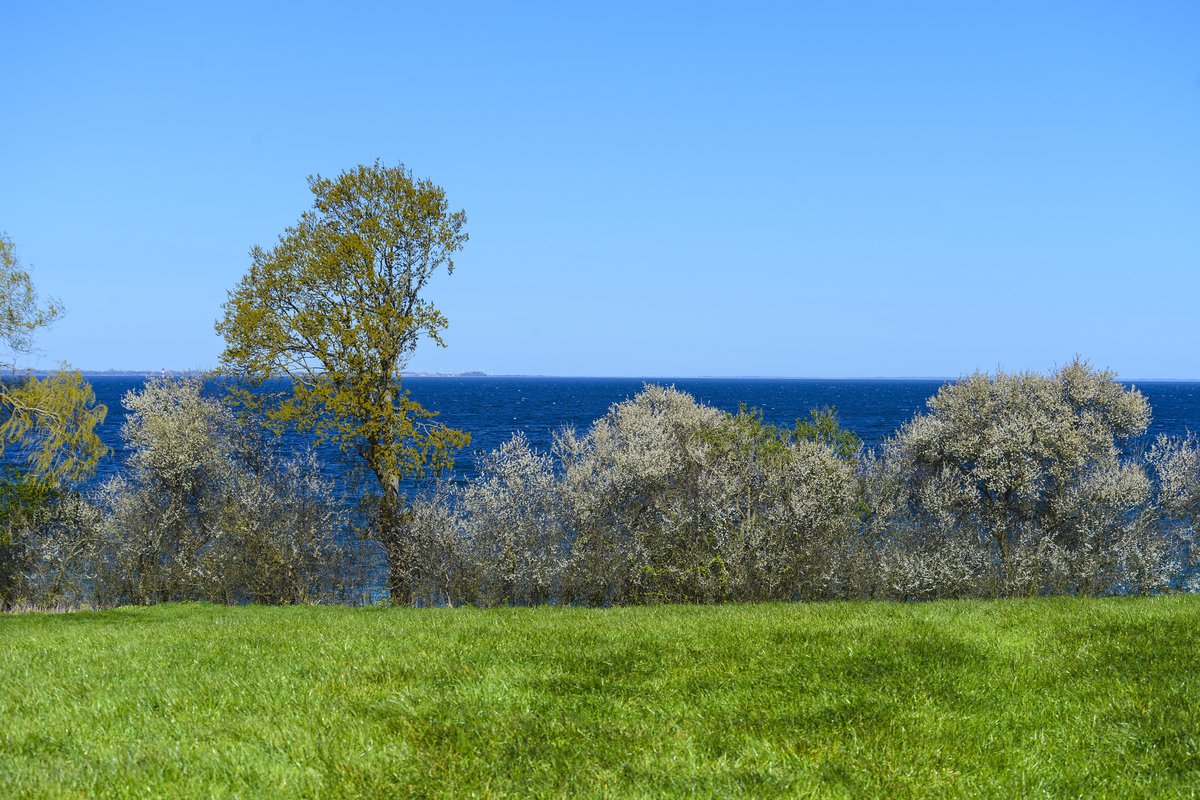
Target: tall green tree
[(338, 307), (47, 425)]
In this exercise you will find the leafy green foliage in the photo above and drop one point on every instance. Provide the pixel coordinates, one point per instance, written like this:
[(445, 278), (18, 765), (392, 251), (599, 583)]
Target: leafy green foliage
[(822, 426), (21, 495), (338, 307), (52, 420), (1060, 697)]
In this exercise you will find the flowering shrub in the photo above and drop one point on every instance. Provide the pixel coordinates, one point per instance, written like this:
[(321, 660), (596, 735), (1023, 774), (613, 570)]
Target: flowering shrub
[(662, 499), (205, 510), (1023, 484)]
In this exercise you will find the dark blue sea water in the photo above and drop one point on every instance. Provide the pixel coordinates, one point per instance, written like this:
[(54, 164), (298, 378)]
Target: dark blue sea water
[(491, 409)]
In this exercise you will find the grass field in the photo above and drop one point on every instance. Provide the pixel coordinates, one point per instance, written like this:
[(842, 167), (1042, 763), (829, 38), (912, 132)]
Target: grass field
[(1062, 697)]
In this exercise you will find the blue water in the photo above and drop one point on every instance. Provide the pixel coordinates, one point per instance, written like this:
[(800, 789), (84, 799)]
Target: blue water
[(492, 409)]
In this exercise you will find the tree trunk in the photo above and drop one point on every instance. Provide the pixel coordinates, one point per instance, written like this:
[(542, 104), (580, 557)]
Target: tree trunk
[(393, 533), (392, 530)]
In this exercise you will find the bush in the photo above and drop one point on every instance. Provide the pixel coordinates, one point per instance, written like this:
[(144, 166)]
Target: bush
[(207, 510), (662, 499), (53, 547), (498, 540), (1018, 484)]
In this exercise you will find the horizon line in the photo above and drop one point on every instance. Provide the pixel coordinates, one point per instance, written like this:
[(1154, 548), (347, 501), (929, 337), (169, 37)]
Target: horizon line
[(480, 374)]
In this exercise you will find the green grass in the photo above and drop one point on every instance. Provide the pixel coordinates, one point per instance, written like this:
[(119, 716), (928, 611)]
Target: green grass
[(1061, 697)]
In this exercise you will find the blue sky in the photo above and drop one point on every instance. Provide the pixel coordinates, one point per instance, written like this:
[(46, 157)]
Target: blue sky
[(795, 189)]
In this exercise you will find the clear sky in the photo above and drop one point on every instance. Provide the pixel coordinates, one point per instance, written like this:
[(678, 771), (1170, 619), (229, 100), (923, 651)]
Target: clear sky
[(793, 189)]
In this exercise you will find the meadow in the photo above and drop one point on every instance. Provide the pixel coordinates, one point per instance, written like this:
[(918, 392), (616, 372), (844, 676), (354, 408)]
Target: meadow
[(1062, 697)]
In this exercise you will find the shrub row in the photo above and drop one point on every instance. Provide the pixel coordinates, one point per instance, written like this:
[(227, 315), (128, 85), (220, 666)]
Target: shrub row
[(1008, 484), (1012, 484)]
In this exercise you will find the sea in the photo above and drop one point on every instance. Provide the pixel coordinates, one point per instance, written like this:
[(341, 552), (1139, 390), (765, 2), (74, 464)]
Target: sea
[(492, 409)]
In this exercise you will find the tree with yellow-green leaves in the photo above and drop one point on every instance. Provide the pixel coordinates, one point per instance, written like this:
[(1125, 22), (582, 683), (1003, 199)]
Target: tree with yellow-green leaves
[(337, 307), (47, 425), (51, 420)]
